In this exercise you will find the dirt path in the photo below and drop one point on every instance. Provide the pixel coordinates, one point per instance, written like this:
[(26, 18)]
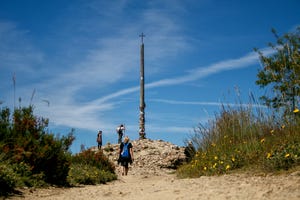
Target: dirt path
[(169, 187)]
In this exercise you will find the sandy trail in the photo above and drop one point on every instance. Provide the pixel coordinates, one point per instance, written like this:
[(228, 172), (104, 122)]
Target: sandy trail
[(238, 186)]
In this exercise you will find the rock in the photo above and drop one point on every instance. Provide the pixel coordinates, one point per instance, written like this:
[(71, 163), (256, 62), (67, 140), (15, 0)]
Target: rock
[(151, 157)]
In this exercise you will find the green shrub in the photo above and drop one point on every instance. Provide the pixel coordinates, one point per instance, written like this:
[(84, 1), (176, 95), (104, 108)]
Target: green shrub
[(14, 175), (32, 157), (284, 156), (8, 178), (44, 157), (90, 167), (88, 175), (96, 159), (52, 159)]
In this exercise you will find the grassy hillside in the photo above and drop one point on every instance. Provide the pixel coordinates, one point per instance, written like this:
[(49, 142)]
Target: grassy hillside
[(247, 139)]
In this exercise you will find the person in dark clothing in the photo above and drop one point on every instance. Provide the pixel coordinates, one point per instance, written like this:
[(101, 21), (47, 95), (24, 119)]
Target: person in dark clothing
[(120, 130), (99, 139), (125, 155)]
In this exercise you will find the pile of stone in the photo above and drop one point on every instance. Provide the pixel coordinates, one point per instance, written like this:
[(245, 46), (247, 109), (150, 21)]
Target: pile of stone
[(151, 157)]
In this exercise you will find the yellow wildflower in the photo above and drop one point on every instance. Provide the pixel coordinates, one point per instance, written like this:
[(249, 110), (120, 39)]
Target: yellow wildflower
[(232, 159), (269, 155), (214, 166), (287, 155), (296, 110), (262, 140), (204, 168), (227, 167), (216, 157)]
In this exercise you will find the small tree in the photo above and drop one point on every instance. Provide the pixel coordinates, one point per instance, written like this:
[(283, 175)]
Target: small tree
[(281, 72)]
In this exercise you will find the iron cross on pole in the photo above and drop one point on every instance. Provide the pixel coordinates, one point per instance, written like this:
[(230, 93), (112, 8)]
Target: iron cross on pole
[(142, 36), (142, 93)]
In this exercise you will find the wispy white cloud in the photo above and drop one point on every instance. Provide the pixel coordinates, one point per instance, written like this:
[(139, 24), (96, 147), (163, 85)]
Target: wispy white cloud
[(87, 117), (197, 73), (215, 68), (219, 104)]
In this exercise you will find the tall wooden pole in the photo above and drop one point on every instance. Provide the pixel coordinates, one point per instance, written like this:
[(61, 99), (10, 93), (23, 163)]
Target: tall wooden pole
[(142, 132)]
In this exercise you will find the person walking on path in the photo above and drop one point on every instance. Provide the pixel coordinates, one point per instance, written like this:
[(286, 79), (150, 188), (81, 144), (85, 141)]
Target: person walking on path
[(125, 155), (120, 130), (99, 139)]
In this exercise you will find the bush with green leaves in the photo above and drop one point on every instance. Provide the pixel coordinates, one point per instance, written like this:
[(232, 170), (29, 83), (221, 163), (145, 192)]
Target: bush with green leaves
[(89, 167), (283, 156), (33, 157), (94, 158), (88, 175), (8, 178), (24, 139), (14, 175)]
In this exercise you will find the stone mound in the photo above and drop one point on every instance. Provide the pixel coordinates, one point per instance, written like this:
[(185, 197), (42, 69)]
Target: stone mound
[(151, 157)]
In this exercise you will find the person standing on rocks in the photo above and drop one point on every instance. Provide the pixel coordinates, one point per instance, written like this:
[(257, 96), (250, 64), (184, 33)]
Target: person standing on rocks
[(99, 139), (120, 130), (125, 155)]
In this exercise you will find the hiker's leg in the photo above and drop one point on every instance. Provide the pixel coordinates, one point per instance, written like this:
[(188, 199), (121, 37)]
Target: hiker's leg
[(123, 167), (126, 170), (120, 139)]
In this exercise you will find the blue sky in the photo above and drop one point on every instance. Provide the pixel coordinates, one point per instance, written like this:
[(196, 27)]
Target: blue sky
[(83, 57)]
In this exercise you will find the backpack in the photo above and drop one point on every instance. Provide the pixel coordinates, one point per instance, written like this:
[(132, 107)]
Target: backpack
[(120, 130), (125, 152), (99, 139)]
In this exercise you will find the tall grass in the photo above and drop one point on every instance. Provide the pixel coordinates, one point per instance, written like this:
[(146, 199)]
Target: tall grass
[(244, 137)]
